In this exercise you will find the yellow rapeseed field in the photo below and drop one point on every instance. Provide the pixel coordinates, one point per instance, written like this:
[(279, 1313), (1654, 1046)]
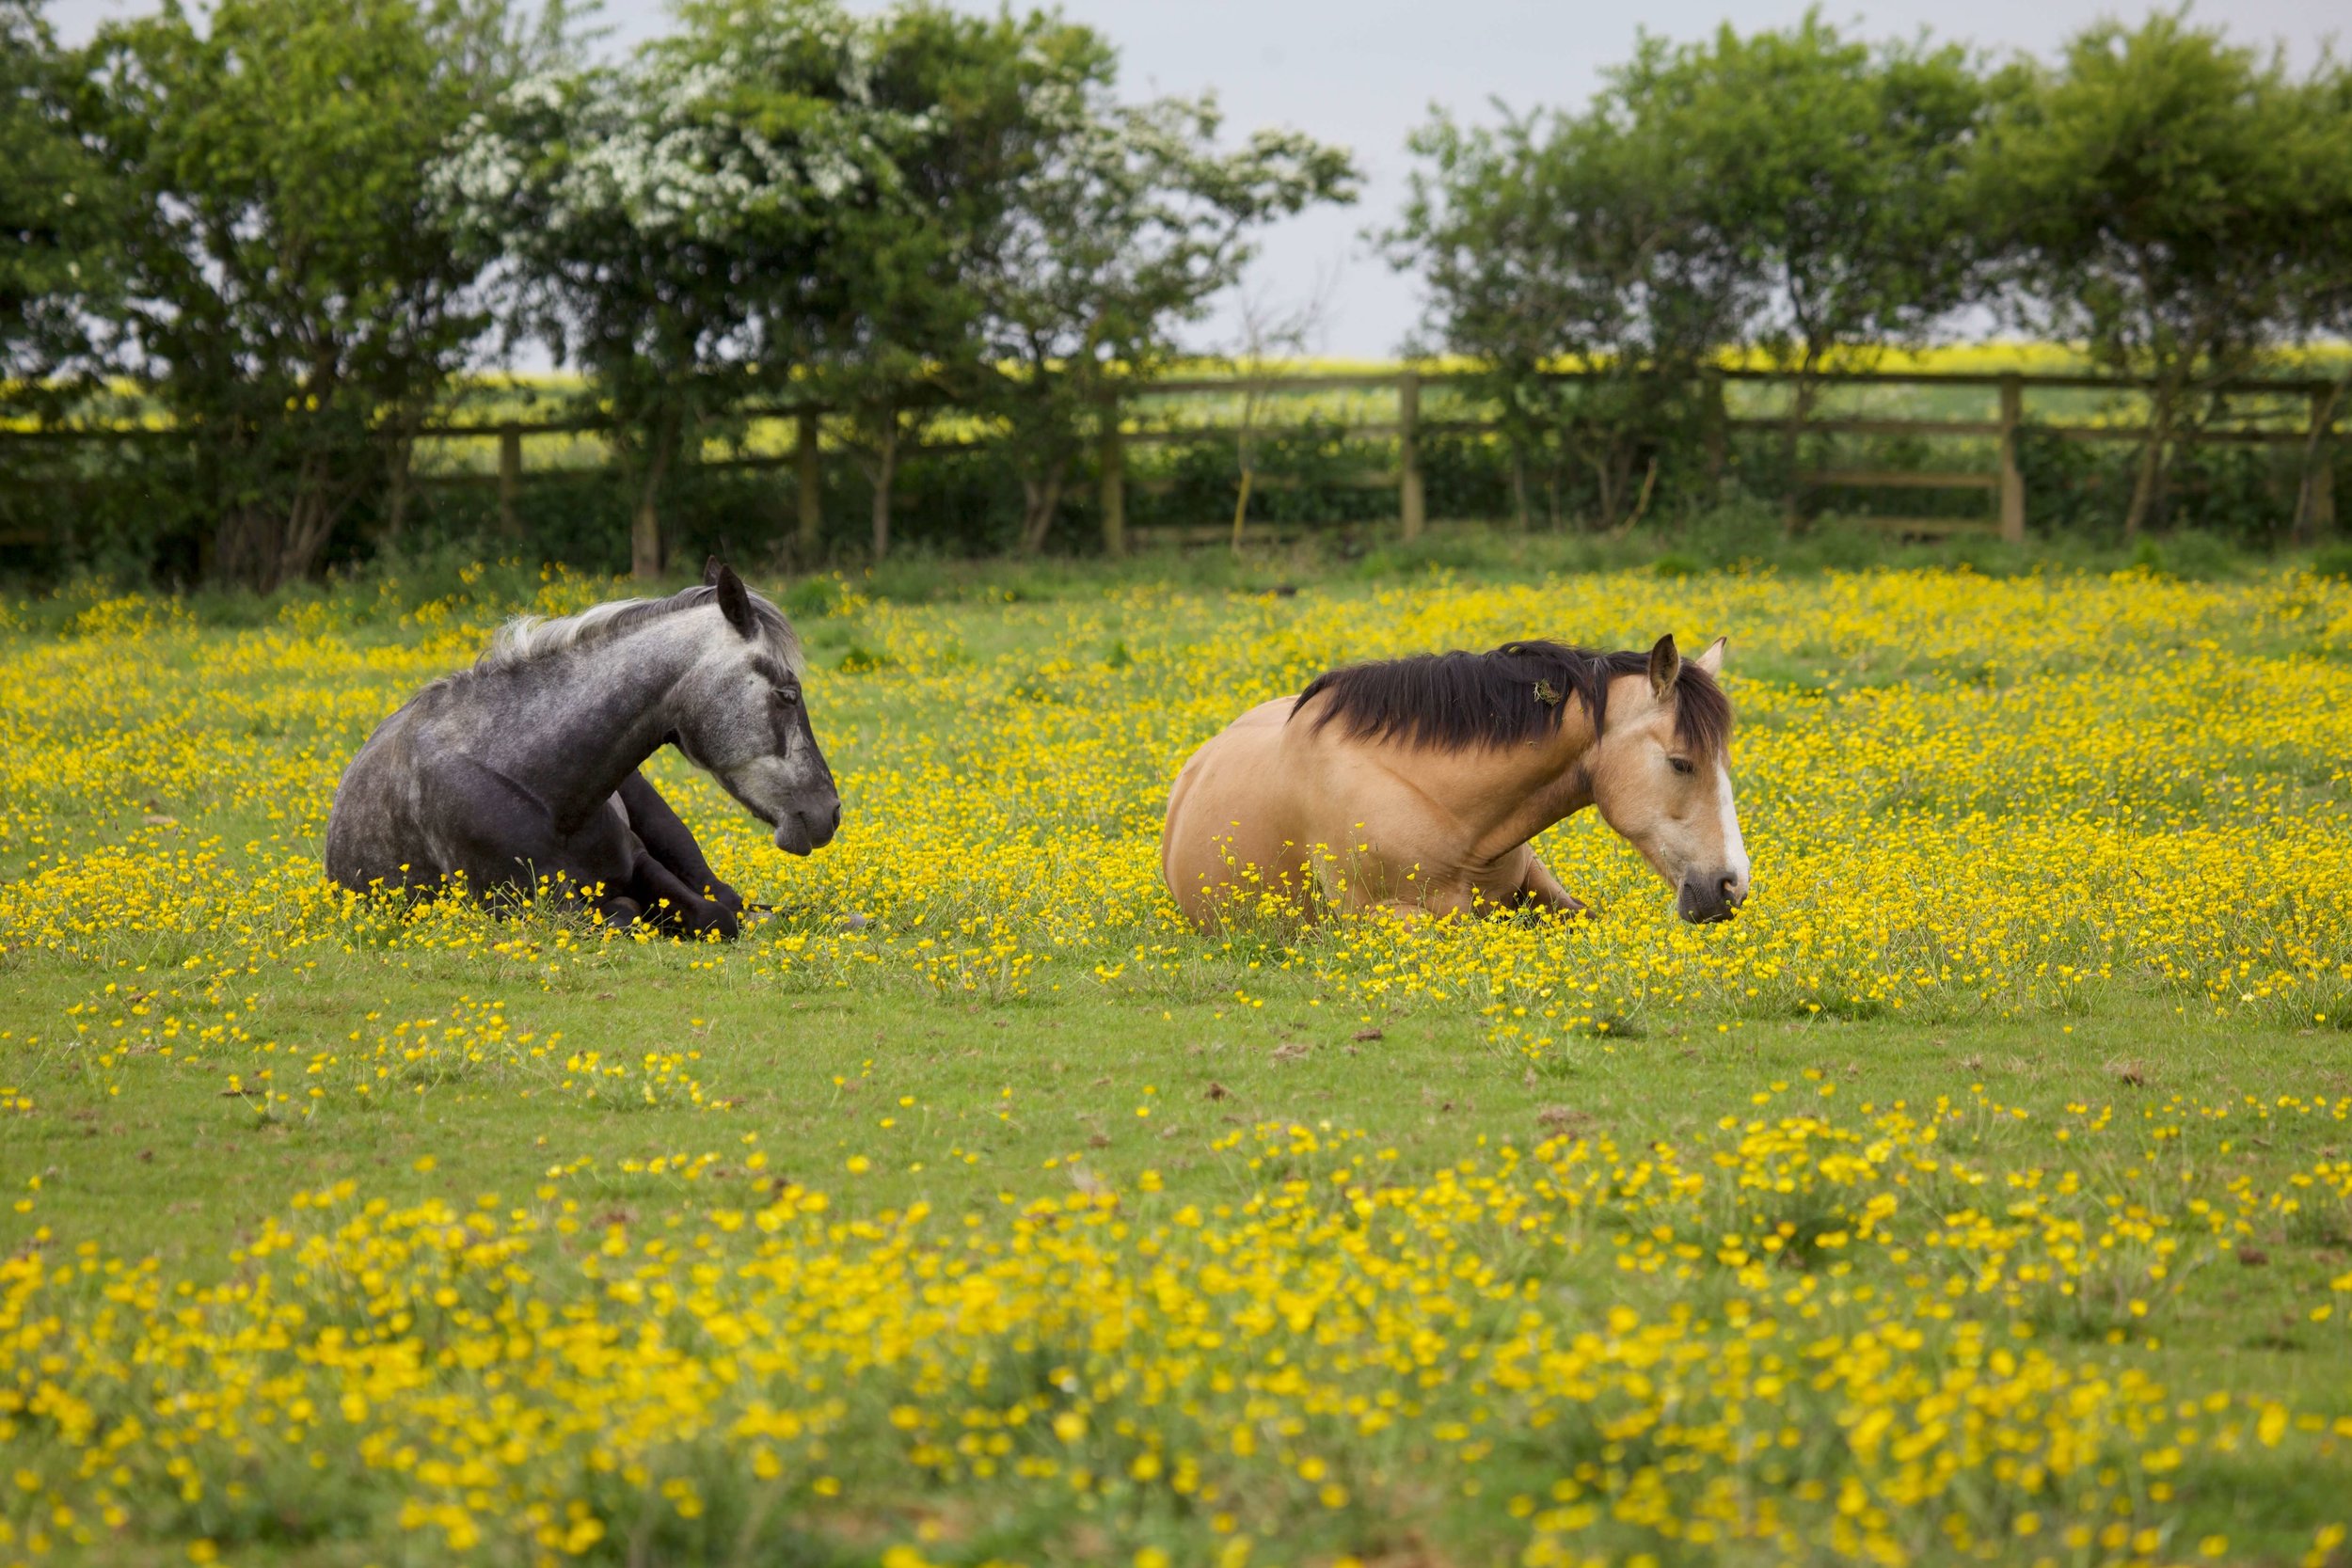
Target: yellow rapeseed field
[(1816, 1323)]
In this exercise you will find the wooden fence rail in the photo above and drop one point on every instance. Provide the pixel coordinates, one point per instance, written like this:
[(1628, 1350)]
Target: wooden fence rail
[(1408, 428)]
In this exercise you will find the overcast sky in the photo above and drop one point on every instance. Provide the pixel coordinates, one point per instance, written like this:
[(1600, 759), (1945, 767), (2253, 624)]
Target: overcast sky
[(1363, 73)]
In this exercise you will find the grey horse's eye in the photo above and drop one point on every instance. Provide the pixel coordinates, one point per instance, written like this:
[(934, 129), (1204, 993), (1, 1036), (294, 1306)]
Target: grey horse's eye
[(786, 697)]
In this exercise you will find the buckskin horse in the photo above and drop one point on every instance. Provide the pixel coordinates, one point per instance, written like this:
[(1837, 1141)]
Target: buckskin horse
[(519, 776), (1413, 786)]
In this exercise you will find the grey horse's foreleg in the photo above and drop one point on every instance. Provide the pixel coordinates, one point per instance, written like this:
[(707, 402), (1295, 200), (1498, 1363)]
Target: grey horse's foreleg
[(672, 845), (655, 885)]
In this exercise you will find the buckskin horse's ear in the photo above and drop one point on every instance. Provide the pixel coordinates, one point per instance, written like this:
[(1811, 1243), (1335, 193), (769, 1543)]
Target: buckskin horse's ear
[(1665, 667), (1713, 660), (735, 600)]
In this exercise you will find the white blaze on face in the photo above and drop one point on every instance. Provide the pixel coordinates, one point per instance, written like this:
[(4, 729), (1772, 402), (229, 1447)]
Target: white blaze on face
[(1735, 851)]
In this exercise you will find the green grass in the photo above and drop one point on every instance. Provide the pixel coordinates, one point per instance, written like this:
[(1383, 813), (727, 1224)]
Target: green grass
[(970, 1105), (173, 1165), (1007, 1099)]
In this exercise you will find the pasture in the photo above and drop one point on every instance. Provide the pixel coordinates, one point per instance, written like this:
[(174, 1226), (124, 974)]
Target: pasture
[(1982, 1193)]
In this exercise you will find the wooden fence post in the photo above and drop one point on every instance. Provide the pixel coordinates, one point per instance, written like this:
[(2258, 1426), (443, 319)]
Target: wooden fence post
[(1412, 502), (2316, 498), (2324, 490), (811, 498), (510, 478), (1113, 464), (2013, 477), (1791, 450), (1718, 425), (396, 483)]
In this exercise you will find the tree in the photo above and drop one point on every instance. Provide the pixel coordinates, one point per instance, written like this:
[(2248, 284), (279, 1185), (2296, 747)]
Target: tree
[(54, 204), (673, 226), (978, 97), (2162, 195), (1838, 172), (1128, 223), (1577, 238), (284, 286), (2320, 297), (1270, 338), (1838, 168)]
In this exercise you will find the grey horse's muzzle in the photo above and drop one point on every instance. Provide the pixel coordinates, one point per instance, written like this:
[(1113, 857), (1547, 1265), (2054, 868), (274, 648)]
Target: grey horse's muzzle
[(805, 829)]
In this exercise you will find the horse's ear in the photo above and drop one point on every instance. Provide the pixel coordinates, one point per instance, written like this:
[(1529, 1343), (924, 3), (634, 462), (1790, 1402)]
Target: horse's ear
[(1713, 660), (735, 600), (712, 566), (1665, 667)]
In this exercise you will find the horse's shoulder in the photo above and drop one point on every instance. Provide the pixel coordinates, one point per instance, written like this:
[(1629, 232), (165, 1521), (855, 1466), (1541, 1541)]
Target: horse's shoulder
[(467, 771), (457, 786)]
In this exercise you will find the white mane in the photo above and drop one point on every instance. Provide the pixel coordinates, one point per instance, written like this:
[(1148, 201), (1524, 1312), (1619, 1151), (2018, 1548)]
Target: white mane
[(528, 639)]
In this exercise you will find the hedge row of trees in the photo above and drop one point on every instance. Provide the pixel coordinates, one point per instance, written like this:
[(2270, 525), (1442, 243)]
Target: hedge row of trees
[(294, 223), (2179, 204)]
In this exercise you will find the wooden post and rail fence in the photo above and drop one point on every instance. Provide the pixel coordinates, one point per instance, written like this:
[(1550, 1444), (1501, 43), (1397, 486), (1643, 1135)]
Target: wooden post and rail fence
[(2004, 485)]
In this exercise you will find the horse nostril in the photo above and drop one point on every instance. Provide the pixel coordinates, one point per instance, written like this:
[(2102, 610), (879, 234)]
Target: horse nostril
[(836, 812)]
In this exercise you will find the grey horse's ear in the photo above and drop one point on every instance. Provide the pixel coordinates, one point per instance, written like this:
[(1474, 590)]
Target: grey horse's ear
[(1665, 667), (735, 600), (712, 566)]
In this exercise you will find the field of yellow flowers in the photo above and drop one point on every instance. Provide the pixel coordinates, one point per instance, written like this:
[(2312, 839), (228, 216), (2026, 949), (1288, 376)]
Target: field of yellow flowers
[(1982, 1193)]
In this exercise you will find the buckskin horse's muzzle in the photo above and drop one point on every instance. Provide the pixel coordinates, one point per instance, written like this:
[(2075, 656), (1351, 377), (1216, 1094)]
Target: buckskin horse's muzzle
[(1704, 896)]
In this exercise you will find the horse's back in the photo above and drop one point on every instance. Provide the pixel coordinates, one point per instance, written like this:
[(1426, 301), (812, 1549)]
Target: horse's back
[(378, 830), (1234, 803), (1302, 809), (365, 825)]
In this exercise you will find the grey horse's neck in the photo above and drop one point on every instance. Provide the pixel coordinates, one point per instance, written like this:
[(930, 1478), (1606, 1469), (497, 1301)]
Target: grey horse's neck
[(571, 726)]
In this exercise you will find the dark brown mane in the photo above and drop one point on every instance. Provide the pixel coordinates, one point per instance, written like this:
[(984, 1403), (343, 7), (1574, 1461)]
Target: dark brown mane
[(1518, 692)]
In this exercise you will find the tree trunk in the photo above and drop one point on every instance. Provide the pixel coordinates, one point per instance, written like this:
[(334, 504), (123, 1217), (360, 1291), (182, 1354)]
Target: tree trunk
[(1113, 476), (1791, 434), (1640, 502), (310, 520), (644, 526), (885, 469), (2314, 495), (1041, 504), (2149, 479), (810, 497), (246, 530), (1605, 486), (307, 526), (1718, 419), (396, 489), (1519, 486), (246, 546)]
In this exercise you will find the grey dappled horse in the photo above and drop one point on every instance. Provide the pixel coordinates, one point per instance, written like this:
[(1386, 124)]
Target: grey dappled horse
[(520, 774)]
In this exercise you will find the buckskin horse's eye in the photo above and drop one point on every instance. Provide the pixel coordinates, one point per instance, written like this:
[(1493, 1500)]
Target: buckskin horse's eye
[(1680, 764)]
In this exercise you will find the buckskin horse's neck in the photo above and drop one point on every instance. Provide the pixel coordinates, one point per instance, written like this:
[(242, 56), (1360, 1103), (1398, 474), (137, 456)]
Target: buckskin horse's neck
[(1508, 795), (589, 715)]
